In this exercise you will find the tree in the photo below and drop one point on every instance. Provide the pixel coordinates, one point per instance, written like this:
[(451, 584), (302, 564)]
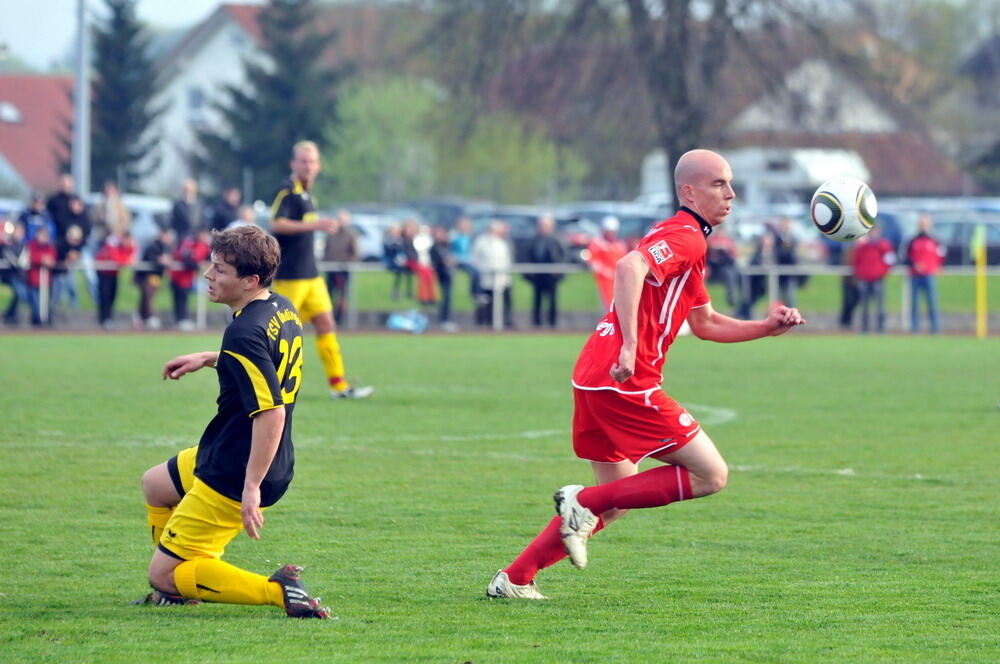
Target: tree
[(123, 88), (383, 147), (682, 52), (291, 94)]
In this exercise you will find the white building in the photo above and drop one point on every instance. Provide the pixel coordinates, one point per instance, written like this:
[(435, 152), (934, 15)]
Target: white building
[(193, 76)]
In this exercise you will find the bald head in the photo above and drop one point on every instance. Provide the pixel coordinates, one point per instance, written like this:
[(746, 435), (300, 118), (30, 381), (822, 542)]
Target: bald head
[(694, 164), (704, 183)]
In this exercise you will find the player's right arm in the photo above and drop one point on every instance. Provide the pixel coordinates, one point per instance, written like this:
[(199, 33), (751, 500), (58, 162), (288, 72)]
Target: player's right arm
[(185, 364), (630, 273)]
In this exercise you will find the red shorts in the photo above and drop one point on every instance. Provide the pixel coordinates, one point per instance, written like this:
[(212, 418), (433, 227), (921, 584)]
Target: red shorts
[(612, 427)]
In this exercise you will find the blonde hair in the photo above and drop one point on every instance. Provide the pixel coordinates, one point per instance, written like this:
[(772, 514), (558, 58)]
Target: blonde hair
[(304, 145)]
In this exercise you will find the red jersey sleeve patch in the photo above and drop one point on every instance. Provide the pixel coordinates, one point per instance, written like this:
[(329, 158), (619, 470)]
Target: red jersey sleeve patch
[(665, 252)]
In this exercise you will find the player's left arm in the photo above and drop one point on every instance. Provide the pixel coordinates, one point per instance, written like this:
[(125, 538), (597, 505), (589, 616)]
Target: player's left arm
[(709, 324), (185, 364), (267, 428)]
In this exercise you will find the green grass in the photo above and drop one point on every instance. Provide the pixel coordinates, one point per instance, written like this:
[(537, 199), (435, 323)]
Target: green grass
[(860, 523), (578, 293)]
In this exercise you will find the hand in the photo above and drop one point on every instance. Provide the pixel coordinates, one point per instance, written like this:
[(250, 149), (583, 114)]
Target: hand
[(253, 518), (782, 319), (327, 225), (623, 369), (184, 364)]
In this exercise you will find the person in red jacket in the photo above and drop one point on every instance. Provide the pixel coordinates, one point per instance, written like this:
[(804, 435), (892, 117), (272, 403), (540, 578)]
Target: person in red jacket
[(41, 258), (117, 252), (603, 253), (190, 254), (925, 256), (873, 258)]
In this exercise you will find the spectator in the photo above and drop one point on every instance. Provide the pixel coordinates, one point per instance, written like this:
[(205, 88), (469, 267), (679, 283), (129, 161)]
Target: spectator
[(394, 259), (116, 252), (186, 214), (12, 273), (226, 210), (841, 254), (873, 257), (444, 267), (189, 253), (722, 267), (924, 256), (603, 253), (110, 216), (416, 247), (341, 247), (41, 260), (786, 253), (763, 256), (34, 217), (493, 258), (58, 206), (159, 255), (245, 216), (545, 249), (68, 249), (461, 251)]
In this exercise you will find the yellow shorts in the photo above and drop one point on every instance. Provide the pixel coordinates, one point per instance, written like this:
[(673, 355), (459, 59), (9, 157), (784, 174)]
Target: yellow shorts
[(310, 297), (181, 469), (202, 524)]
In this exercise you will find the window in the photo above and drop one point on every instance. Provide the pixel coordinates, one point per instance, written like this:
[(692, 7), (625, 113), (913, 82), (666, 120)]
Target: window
[(10, 113)]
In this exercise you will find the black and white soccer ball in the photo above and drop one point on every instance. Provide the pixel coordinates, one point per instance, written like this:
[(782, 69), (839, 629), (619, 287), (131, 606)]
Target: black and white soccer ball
[(844, 209)]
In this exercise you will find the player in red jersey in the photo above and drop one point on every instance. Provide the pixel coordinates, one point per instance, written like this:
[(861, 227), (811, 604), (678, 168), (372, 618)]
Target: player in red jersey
[(621, 414)]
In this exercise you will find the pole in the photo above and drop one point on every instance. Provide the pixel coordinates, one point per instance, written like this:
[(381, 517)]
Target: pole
[(81, 103)]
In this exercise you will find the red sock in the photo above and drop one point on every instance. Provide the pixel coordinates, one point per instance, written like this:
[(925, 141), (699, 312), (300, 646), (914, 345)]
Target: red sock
[(544, 551), (652, 488)]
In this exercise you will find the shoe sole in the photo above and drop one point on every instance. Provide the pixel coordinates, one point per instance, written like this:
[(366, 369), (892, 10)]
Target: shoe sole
[(574, 544)]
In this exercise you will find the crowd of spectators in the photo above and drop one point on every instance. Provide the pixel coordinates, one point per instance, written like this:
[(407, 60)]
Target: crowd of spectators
[(57, 243)]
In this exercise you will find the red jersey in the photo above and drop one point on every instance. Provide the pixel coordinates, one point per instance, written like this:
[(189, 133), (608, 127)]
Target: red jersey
[(924, 255), (872, 260), (674, 250), (40, 255)]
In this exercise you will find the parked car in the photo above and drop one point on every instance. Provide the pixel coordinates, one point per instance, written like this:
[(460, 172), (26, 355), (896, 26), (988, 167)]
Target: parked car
[(446, 210)]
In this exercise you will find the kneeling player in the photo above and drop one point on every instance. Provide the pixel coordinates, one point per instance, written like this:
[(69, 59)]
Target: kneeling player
[(201, 499)]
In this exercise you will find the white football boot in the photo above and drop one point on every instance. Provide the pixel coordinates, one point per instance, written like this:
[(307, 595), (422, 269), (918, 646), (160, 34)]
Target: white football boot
[(501, 587), (577, 525)]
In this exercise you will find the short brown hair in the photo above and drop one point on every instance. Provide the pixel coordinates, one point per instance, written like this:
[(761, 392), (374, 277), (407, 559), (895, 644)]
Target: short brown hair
[(250, 250)]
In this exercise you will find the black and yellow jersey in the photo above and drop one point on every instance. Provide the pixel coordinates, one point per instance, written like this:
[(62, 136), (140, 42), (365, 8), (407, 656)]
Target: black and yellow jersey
[(260, 367), (295, 203)]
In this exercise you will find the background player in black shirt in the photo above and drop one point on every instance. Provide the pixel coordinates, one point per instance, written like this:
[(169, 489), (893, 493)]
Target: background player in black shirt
[(201, 499), (293, 222)]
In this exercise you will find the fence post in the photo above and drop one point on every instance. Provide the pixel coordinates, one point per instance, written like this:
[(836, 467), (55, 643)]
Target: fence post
[(904, 306), (201, 308), (498, 311), (350, 296), (43, 295)]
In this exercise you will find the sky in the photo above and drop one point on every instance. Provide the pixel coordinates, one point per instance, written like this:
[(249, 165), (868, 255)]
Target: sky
[(40, 32)]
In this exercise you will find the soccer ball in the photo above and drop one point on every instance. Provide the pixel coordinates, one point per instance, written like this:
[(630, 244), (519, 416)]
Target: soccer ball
[(844, 209)]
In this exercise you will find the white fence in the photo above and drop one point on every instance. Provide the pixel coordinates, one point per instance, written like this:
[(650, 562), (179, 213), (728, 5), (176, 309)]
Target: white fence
[(772, 274)]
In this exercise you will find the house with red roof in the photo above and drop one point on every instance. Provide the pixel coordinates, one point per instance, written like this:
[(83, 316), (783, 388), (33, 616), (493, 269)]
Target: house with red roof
[(211, 56), (36, 114)]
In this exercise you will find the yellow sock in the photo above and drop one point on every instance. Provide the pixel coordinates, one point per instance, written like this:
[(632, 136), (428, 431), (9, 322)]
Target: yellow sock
[(157, 518), (333, 362), (212, 580)]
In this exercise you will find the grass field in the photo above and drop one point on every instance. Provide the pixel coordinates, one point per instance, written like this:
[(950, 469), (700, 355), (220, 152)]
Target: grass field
[(860, 523)]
